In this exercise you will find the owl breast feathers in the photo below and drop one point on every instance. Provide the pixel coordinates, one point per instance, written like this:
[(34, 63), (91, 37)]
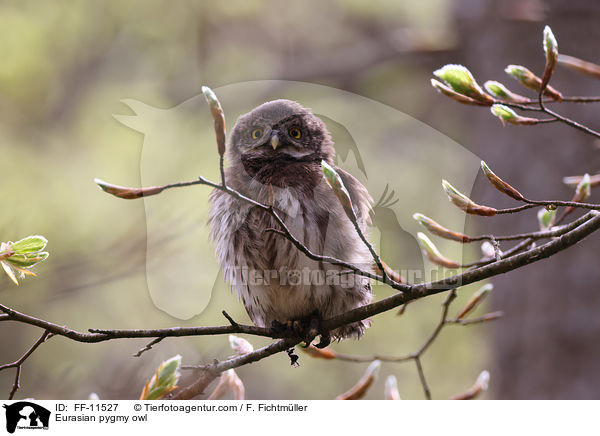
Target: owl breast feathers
[(274, 154)]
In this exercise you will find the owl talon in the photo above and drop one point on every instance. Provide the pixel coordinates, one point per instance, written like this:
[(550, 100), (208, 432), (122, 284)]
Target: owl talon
[(306, 329), (296, 327), (324, 341)]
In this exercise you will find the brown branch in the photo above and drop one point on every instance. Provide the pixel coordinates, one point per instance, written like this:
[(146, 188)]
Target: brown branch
[(98, 335), (484, 318), (553, 114), (19, 362), (376, 258), (209, 372), (413, 292), (534, 203), (543, 234), (133, 193), (422, 378), (408, 293), (570, 99), (570, 122), (416, 356)]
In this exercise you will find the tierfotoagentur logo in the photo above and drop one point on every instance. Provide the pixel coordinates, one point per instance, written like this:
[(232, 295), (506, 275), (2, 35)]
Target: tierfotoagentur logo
[(25, 415)]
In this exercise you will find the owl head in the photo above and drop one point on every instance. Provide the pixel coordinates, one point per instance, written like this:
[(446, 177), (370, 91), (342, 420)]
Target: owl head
[(280, 132)]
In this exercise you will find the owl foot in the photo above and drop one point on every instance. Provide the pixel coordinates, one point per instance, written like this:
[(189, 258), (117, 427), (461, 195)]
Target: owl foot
[(324, 341), (307, 329)]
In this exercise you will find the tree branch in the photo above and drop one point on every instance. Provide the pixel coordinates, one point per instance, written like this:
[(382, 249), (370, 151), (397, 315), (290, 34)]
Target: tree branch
[(209, 372), (19, 362), (408, 293)]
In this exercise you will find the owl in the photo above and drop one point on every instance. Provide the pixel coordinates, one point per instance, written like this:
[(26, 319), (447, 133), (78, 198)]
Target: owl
[(274, 156)]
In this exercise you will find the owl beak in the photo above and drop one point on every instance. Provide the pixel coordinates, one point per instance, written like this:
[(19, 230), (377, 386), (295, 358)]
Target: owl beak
[(274, 141)]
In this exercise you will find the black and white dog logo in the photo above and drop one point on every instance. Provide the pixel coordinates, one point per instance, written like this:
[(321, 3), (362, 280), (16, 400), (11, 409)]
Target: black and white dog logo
[(26, 415)]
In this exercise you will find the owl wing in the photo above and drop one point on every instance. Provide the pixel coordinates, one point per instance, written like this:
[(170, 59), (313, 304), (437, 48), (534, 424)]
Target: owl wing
[(361, 199)]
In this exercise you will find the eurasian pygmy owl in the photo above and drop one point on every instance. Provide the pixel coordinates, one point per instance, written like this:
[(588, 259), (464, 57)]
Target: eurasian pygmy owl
[(274, 155)]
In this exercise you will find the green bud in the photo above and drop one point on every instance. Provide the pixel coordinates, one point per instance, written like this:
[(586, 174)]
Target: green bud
[(498, 90), (240, 345), (546, 218), (218, 116), (522, 74), (438, 229), (475, 300), (210, 96), (551, 51), (449, 92), (455, 196), (433, 254), (550, 44), (500, 184), (583, 190), (504, 113), (462, 81), (465, 203), (530, 80)]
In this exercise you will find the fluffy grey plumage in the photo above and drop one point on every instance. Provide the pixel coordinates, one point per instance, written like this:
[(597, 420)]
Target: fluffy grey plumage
[(280, 143)]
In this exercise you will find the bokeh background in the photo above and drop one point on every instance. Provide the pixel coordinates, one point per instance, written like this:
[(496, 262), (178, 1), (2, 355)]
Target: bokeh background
[(66, 66)]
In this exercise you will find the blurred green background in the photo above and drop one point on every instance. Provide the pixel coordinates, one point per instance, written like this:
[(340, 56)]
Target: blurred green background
[(64, 69)]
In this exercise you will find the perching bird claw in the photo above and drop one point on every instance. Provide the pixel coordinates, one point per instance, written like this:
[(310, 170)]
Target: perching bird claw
[(307, 329)]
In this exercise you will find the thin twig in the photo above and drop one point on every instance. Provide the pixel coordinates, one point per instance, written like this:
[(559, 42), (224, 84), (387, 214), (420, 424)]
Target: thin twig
[(570, 99), (551, 233), (416, 355), (148, 346), (374, 254), (423, 379), (484, 318), (413, 292), (19, 362), (212, 371), (229, 318)]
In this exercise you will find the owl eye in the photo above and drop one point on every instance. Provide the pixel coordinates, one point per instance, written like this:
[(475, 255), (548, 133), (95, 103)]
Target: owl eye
[(295, 133), (256, 133)]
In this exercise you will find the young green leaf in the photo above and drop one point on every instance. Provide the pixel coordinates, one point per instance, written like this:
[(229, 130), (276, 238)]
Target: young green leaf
[(163, 381), (30, 244), (546, 218)]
